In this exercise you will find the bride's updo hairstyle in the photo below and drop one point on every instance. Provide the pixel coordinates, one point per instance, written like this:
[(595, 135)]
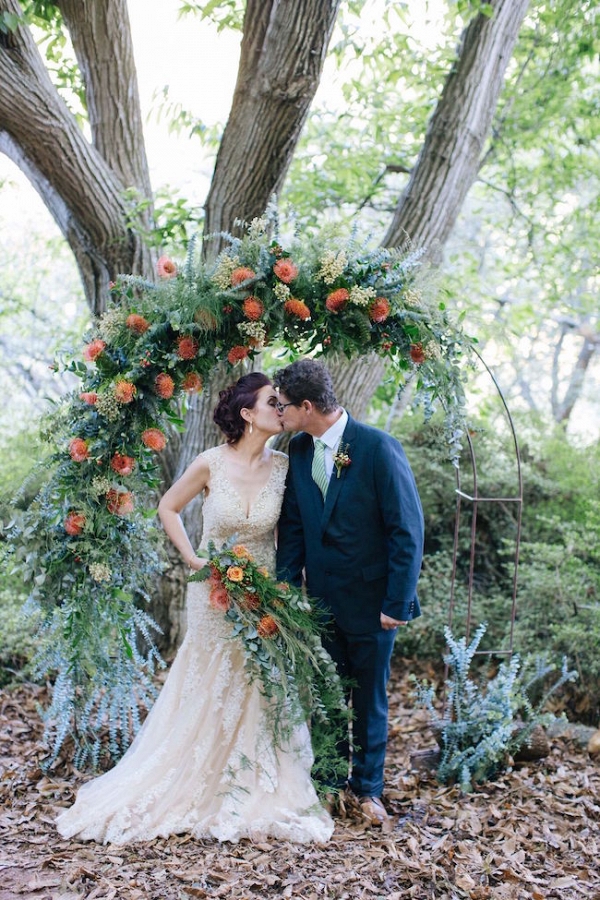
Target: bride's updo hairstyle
[(241, 395)]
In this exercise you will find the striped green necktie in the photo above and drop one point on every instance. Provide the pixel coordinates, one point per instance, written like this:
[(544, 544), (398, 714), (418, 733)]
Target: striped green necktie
[(318, 467)]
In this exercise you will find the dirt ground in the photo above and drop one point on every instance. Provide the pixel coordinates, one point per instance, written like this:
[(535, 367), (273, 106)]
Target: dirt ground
[(532, 834)]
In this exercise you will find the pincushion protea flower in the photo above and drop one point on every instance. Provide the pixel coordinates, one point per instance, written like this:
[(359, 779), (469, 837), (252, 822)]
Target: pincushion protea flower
[(164, 386), (122, 465), (74, 523), (125, 391), (120, 503), (237, 354), (285, 270), (417, 354), (379, 310), (187, 347), (78, 450), (297, 308), (166, 268), (253, 308), (241, 274), (137, 323), (89, 397), (219, 598), (337, 300), (267, 627), (192, 383), (154, 439), (93, 350)]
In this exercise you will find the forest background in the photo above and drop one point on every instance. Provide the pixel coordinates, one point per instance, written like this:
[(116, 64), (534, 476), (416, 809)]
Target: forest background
[(515, 255)]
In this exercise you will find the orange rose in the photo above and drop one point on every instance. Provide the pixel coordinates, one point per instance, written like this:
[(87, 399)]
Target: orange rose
[(235, 573), (241, 551)]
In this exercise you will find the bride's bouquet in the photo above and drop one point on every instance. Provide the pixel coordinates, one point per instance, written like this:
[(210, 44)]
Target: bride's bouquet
[(279, 630)]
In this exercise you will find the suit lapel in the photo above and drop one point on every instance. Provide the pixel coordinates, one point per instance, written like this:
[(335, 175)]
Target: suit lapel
[(336, 484)]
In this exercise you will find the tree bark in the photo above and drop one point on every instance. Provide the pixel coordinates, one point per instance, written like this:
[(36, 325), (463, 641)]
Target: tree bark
[(450, 157), (282, 55), (82, 192), (451, 154)]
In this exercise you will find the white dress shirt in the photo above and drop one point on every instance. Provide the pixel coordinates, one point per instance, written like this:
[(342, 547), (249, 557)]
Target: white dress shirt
[(331, 438)]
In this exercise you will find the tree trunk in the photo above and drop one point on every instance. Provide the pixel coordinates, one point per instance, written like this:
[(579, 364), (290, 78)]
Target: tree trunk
[(282, 55), (81, 190), (450, 157)]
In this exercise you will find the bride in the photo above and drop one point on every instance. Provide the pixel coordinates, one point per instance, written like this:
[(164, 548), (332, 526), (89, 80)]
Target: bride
[(204, 762)]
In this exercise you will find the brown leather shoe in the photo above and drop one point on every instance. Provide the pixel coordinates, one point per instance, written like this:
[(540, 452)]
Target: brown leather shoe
[(374, 811)]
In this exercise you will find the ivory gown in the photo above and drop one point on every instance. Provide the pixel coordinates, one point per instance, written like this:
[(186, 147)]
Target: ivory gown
[(203, 762)]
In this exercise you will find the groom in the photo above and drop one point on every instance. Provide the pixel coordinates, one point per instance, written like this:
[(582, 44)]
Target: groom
[(352, 519)]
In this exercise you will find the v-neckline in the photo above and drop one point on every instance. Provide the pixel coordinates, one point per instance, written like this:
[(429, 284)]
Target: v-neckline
[(236, 490)]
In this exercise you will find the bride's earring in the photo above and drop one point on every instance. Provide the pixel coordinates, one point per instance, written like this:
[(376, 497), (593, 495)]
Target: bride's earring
[(250, 429)]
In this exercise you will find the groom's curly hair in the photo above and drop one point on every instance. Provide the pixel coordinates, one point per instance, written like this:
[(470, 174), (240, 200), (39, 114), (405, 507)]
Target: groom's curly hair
[(307, 379)]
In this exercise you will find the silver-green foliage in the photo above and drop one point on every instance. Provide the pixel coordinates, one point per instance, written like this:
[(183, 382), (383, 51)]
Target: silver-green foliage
[(483, 726)]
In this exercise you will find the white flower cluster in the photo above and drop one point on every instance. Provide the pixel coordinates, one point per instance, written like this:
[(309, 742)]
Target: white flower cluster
[(412, 297), (254, 330), (222, 274), (100, 572), (432, 350), (257, 227), (101, 485), (108, 406), (362, 296), (332, 266), (281, 291), (111, 323)]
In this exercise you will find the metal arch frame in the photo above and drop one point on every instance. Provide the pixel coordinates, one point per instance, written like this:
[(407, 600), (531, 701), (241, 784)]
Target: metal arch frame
[(476, 499)]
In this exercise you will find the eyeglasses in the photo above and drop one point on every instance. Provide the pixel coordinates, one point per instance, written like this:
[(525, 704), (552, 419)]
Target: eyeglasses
[(281, 406)]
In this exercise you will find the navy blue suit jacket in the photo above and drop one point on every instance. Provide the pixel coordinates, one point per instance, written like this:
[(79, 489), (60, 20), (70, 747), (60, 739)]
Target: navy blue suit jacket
[(362, 548)]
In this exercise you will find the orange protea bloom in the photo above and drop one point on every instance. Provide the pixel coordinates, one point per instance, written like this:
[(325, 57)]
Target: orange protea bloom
[(241, 551), (267, 627), (154, 439), (337, 300), (241, 274), (379, 310), (253, 308), (137, 323), (219, 598), (89, 397), (122, 465), (417, 354), (285, 270), (235, 573), (164, 386), (120, 503), (297, 308), (192, 383), (125, 391), (74, 523), (78, 450), (250, 601), (187, 347), (93, 350), (166, 268), (236, 354)]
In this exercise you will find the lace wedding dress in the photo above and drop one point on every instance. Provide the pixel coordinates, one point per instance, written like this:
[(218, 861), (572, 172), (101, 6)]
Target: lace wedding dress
[(203, 762)]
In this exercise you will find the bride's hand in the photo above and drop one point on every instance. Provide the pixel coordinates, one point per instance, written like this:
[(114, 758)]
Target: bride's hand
[(196, 563)]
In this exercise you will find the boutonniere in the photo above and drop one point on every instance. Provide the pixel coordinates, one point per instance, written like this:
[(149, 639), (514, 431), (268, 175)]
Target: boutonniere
[(341, 459)]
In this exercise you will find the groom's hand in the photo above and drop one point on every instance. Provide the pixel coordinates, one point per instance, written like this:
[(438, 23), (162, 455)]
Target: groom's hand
[(387, 623)]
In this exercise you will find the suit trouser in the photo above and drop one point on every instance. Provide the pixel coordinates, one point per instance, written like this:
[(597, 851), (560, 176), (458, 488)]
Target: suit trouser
[(364, 659)]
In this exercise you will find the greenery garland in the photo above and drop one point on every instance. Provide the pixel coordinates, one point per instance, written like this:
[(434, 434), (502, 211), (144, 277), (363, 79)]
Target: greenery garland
[(86, 545)]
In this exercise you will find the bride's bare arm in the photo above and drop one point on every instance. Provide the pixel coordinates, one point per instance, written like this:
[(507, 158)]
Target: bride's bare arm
[(192, 482)]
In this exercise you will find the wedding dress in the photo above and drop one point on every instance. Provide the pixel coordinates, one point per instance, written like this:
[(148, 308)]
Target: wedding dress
[(203, 762)]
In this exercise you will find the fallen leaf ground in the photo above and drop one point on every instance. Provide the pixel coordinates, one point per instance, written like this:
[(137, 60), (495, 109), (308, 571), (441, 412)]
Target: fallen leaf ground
[(530, 835)]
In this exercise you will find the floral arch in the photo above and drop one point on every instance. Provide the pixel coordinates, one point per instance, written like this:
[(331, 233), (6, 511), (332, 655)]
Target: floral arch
[(87, 545)]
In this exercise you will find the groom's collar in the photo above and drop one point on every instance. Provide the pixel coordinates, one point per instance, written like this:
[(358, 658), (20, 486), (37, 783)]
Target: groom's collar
[(334, 433)]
